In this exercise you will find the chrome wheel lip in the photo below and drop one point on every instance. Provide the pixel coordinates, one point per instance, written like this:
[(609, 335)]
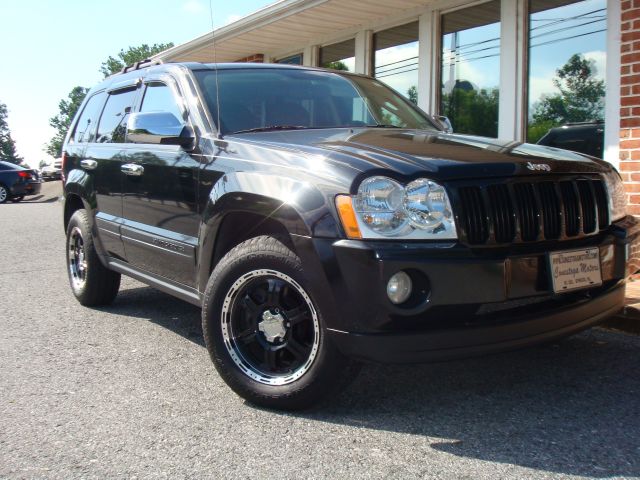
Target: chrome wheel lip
[(76, 258), (3, 194), (244, 364)]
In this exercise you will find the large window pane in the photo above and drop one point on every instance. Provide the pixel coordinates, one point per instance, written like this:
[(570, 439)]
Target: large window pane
[(339, 56), (292, 60), (396, 59), (471, 69), (567, 63)]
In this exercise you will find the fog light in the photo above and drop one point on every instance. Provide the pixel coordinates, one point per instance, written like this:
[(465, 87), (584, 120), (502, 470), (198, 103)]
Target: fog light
[(399, 288)]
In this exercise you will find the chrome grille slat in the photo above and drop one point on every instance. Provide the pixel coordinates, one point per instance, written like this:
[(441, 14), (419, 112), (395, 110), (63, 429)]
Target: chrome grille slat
[(530, 210)]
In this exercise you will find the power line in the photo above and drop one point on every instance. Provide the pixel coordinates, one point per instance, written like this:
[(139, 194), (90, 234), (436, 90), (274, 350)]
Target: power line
[(568, 38), (567, 19), (397, 73), (544, 34), (397, 68), (399, 61)]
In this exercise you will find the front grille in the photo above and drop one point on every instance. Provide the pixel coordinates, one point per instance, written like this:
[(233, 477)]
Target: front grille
[(528, 211)]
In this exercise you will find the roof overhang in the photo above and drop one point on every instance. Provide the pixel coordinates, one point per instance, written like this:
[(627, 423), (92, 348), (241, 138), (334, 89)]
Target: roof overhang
[(285, 26)]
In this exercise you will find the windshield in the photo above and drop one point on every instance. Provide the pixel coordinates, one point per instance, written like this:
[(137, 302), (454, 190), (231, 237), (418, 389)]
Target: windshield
[(278, 99)]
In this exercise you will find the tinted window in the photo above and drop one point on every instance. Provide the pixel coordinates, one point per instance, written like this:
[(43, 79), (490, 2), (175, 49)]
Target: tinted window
[(113, 122), (158, 97), (85, 128), (267, 98)]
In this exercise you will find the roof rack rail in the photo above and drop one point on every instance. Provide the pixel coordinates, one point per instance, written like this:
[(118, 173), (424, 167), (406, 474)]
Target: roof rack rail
[(141, 64)]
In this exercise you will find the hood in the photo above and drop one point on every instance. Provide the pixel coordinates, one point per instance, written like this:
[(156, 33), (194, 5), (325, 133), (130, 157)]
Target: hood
[(444, 156)]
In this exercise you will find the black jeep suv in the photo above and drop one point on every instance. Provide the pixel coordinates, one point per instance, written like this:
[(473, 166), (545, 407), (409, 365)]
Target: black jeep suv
[(320, 219)]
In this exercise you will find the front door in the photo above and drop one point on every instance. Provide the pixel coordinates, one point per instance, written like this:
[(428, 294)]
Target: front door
[(161, 221)]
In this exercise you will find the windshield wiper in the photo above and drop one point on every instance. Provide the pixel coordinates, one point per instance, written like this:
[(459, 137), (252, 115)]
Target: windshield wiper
[(271, 128), (381, 125)]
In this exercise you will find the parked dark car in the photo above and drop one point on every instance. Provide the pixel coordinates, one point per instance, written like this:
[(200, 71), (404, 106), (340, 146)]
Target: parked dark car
[(584, 137), (17, 182), (329, 221)]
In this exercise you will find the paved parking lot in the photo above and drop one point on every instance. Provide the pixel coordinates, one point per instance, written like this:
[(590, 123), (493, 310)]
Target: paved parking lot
[(129, 391)]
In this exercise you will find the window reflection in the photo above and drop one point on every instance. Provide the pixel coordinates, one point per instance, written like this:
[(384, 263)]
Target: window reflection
[(567, 63), (339, 56), (291, 60), (470, 74), (396, 59)]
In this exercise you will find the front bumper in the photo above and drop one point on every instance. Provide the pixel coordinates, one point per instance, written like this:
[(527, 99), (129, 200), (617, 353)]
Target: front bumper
[(469, 301)]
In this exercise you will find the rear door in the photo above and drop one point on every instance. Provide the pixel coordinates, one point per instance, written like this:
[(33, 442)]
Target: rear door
[(104, 156), (161, 221)]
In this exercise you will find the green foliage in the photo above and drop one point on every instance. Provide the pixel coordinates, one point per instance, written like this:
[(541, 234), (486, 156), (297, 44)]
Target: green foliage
[(131, 56), (580, 98), (8, 151), (61, 122), (472, 111), (336, 66), (537, 130), (412, 94)]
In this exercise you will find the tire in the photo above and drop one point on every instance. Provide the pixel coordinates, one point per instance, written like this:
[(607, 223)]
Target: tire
[(91, 283), (265, 335), (17, 199), (4, 194)]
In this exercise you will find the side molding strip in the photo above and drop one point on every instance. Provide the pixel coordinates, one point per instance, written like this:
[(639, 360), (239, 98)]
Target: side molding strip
[(182, 292)]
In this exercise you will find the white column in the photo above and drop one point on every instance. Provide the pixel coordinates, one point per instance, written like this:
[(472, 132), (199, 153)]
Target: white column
[(512, 54), (310, 56), (364, 49), (612, 80), (428, 62)]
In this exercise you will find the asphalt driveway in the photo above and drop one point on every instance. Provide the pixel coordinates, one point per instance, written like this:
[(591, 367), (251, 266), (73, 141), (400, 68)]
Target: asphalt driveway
[(129, 391)]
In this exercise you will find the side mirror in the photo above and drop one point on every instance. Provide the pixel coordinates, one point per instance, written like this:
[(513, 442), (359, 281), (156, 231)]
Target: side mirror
[(161, 128), (446, 123)]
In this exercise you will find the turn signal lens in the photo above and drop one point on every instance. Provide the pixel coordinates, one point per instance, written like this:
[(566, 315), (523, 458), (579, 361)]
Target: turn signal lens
[(344, 204)]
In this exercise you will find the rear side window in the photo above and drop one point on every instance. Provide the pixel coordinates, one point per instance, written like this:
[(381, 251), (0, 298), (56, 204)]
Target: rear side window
[(158, 97), (86, 126), (113, 122)]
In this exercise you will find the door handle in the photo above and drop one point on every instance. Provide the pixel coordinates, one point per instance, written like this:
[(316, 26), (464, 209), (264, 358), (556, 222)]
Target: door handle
[(132, 169), (88, 164)]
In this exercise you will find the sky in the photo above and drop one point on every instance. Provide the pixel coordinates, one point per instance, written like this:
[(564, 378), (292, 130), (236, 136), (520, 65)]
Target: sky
[(49, 47)]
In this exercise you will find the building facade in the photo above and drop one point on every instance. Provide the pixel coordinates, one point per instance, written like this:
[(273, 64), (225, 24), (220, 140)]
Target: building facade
[(511, 69)]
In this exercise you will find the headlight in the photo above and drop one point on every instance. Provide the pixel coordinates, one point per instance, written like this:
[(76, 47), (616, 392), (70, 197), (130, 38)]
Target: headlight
[(379, 206), (383, 208), (617, 196)]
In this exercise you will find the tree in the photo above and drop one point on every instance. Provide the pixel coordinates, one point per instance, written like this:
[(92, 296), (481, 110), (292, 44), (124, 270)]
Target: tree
[(580, 98), (412, 94), (61, 122), (472, 111), (131, 56), (8, 151), (336, 66)]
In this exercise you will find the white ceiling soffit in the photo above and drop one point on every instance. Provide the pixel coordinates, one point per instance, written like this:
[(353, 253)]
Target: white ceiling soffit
[(283, 26)]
